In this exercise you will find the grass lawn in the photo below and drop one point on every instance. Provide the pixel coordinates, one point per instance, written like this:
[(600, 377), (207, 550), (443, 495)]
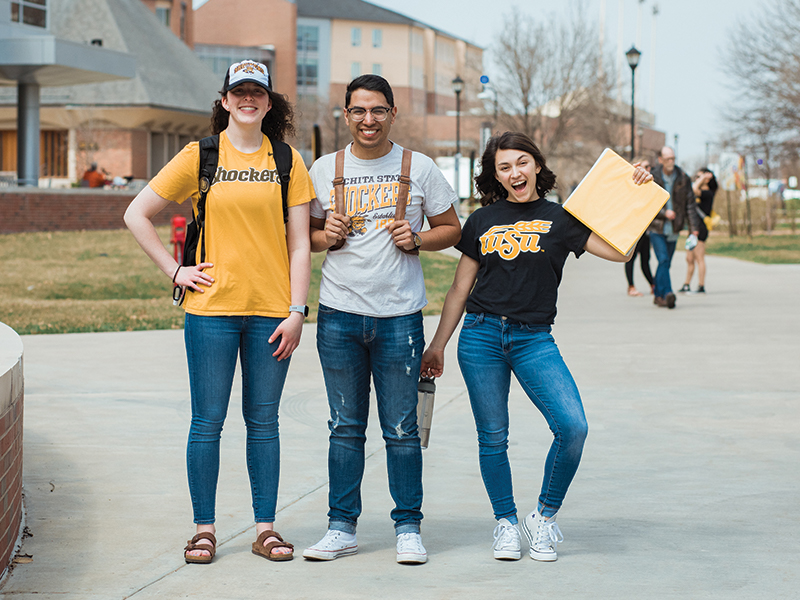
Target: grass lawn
[(765, 249), (64, 282)]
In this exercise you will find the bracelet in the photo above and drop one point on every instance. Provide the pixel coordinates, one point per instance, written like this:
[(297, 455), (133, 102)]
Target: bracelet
[(176, 273)]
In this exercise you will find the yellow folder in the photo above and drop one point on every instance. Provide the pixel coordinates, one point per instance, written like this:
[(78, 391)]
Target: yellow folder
[(609, 203)]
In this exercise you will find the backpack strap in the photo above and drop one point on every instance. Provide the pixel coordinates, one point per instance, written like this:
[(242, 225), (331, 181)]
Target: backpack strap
[(402, 195), (283, 161), (209, 157), (338, 192)]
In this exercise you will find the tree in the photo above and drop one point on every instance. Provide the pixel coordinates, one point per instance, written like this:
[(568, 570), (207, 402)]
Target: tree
[(763, 60), (551, 83)]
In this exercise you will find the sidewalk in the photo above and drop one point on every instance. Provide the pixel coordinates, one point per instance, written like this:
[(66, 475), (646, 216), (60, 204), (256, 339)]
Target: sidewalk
[(689, 486)]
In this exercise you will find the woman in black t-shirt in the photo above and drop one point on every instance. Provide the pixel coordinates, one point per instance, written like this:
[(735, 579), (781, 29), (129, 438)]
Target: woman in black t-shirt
[(705, 187), (513, 253)]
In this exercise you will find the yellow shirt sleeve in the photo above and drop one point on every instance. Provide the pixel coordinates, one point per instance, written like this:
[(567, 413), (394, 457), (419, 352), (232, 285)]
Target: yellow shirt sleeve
[(177, 181)]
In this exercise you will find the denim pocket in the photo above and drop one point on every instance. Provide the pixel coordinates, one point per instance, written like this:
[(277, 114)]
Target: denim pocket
[(471, 320), (326, 309)]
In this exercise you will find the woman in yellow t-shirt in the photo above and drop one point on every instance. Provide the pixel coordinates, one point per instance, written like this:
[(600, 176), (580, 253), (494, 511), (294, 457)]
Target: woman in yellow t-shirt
[(247, 299)]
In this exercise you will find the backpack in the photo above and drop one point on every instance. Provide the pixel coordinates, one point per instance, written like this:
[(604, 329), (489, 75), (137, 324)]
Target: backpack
[(195, 231), (209, 157)]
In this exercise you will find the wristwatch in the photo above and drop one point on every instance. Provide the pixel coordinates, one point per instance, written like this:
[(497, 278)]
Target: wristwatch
[(301, 309), (417, 242)]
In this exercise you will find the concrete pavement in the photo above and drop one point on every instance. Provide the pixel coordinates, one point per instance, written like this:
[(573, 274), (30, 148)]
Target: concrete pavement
[(689, 485)]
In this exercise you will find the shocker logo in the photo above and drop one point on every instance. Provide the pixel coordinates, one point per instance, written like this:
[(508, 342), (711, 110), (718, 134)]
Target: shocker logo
[(509, 240)]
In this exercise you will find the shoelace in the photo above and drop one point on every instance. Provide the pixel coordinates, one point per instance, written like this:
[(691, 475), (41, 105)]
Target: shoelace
[(330, 540), (547, 534), (409, 542), (504, 537)]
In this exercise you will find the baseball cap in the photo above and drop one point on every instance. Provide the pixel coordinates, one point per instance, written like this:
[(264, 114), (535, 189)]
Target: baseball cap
[(247, 70)]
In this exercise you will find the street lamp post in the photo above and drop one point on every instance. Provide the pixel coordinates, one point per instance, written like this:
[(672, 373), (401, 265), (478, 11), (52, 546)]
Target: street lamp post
[(337, 114), (458, 87), (633, 61)]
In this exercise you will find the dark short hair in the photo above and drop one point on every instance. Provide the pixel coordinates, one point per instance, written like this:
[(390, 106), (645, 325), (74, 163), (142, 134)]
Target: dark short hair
[(489, 187), (373, 83)]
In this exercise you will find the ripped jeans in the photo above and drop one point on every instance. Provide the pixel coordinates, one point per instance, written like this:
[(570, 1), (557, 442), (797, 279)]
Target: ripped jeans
[(351, 348)]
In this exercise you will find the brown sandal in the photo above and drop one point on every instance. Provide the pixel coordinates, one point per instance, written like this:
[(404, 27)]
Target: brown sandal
[(266, 551), (193, 545)]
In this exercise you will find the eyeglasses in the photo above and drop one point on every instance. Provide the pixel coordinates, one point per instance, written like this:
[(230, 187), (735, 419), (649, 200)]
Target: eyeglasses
[(379, 113)]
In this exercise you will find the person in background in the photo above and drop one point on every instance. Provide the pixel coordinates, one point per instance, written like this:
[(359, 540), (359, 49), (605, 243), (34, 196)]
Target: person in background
[(93, 178), (705, 188), (247, 301), (642, 250), (668, 223), (513, 254)]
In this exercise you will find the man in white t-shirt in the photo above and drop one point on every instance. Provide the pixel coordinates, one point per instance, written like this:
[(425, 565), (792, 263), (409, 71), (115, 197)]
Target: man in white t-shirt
[(370, 312)]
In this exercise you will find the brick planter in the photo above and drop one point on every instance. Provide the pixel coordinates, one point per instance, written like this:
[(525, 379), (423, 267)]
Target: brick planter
[(11, 395)]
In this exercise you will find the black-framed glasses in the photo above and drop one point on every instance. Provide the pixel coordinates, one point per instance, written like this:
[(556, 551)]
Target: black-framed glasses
[(358, 113)]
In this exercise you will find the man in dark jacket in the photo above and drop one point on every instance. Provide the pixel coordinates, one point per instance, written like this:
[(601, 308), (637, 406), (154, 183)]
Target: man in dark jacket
[(666, 226)]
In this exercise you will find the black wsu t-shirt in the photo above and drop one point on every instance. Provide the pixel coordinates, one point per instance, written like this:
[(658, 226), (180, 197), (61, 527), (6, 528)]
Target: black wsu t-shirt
[(521, 249)]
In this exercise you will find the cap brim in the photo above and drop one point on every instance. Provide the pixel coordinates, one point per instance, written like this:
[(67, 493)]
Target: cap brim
[(247, 80)]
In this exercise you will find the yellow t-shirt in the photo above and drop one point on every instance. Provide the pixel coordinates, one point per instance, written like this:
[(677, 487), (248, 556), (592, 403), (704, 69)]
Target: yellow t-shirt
[(245, 234)]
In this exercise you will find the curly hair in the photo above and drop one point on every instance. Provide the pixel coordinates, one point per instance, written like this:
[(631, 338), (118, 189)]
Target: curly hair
[(486, 181), (277, 124)]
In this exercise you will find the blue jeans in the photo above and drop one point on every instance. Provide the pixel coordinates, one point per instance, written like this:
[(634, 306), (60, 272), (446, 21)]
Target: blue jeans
[(212, 345), (664, 249), (490, 348), (351, 348)]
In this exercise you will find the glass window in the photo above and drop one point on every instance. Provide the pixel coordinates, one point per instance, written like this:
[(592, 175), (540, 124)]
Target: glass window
[(355, 36), (377, 38), (29, 12), (376, 69), (307, 72), (162, 14), (307, 38), (183, 20), (355, 70)]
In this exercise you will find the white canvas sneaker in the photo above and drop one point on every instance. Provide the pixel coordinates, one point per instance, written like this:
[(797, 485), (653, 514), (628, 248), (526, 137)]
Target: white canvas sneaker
[(506, 541), (335, 544), (410, 549), (543, 536)]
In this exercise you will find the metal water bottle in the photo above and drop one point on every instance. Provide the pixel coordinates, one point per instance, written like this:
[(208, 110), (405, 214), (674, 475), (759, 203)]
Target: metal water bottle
[(426, 391)]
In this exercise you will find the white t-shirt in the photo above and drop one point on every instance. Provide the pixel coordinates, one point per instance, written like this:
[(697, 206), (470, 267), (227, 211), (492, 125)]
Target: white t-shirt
[(369, 275)]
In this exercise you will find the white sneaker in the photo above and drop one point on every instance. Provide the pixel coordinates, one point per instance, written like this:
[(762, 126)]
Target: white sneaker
[(506, 541), (335, 544), (543, 536), (410, 549)]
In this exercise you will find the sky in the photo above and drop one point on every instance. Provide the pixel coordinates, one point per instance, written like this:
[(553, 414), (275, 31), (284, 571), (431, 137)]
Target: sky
[(688, 77)]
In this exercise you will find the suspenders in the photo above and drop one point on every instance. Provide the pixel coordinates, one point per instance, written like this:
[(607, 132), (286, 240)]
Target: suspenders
[(402, 197)]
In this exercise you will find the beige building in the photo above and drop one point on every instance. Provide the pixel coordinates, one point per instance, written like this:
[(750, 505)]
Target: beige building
[(321, 45)]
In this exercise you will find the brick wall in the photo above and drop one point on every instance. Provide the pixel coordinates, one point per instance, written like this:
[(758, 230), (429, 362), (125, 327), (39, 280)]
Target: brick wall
[(11, 396), (23, 210)]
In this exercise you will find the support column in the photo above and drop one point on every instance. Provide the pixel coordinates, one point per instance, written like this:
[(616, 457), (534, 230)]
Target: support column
[(28, 133)]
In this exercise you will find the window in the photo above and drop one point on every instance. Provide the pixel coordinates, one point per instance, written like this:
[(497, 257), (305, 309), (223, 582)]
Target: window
[(355, 36), (355, 70), (219, 58), (53, 153), (29, 12), (377, 38), (183, 20), (417, 43), (376, 68), (307, 72), (307, 38), (162, 14)]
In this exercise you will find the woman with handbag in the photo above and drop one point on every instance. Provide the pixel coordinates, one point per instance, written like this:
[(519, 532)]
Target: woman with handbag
[(246, 299), (513, 254), (705, 188)]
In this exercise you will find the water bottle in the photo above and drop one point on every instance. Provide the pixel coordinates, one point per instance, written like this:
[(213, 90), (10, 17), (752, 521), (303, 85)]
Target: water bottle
[(426, 391)]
